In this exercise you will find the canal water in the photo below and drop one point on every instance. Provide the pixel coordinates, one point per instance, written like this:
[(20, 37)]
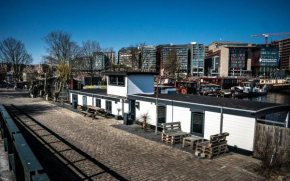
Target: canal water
[(273, 97)]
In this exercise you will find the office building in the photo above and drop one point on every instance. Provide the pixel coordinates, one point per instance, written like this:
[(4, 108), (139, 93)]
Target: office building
[(234, 58), (197, 53), (148, 58), (163, 52), (284, 53), (265, 59)]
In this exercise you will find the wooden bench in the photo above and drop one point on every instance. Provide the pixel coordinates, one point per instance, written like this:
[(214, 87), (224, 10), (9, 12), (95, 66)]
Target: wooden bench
[(172, 133)]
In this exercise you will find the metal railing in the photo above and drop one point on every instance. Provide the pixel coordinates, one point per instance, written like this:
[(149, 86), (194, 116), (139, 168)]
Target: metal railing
[(21, 159)]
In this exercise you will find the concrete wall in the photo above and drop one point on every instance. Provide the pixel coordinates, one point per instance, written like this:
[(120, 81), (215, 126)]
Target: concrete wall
[(140, 84)]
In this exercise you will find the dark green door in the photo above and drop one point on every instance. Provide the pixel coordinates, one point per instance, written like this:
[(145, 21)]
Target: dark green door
[(132, 110), (197, 123)]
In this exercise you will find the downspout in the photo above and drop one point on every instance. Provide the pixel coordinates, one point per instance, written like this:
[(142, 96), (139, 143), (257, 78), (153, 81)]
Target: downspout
[(287, 120), (172, 110), (222, 117), (123, 107)]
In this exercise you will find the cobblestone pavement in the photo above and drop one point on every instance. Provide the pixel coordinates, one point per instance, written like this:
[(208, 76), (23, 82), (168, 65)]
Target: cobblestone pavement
[(95, 150)]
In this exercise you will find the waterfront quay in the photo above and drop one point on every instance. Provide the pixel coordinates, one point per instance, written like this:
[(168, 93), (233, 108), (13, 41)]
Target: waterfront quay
[(72, 147)]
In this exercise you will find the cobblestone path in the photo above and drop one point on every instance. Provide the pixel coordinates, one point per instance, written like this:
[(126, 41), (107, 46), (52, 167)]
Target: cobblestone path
[(95, 150)]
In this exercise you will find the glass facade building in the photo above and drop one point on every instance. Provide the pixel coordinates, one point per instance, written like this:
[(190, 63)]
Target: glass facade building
[(148, 58), (269, 60), (265, 59), (197, 56)]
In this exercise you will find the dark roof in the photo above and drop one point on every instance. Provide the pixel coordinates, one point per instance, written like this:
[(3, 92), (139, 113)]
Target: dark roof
[(214, 101), (131, 73), (94, 91)]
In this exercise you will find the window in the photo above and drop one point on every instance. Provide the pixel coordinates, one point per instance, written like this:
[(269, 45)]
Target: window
[(85, 101), (197, 123), (117, 80), (109, 106), (161, 115), (98, 103)]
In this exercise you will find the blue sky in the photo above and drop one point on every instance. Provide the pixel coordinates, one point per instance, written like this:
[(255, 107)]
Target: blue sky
[(116, 23)]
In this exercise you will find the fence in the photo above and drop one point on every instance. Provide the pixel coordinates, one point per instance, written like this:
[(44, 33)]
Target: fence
[(279, 138), (21, 159)]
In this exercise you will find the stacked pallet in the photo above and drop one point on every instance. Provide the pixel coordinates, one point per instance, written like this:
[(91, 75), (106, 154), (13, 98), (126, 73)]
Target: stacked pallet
[(172, 133), (216, 146)]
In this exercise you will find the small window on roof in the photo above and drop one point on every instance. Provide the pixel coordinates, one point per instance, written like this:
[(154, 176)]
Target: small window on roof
[(117, 80)]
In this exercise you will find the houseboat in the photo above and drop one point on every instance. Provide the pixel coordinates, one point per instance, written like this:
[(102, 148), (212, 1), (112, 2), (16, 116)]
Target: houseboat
[(133, 94)]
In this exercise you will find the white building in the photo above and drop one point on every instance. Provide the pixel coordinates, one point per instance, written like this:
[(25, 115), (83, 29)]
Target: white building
[(202, 116)]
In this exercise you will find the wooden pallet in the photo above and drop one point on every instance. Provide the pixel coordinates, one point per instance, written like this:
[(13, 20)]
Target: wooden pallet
[(204, 151), (218, 137), (172, 133), (173, 138)]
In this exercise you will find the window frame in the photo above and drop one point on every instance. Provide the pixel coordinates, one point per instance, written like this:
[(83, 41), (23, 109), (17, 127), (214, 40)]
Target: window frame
[(116, 78), (107, 110), (85, 98), (203, 121), (98, 103)]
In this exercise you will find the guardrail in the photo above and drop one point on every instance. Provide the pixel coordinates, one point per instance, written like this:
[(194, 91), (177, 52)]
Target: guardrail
[(21, 159)]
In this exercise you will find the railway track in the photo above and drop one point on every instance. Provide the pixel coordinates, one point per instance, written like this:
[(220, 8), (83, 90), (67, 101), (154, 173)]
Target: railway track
[(61, 159)]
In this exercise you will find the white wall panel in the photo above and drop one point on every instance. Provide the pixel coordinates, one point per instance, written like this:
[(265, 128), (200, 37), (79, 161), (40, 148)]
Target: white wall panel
[(241, 130), (117, 90), (115, 106), (182, 115), (89, 100), (103, 103), (144, 108), (212, 124), (80, 100), (126, 108)]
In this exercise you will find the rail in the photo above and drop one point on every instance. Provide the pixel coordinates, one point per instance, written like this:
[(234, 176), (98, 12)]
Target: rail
[(21, 159)]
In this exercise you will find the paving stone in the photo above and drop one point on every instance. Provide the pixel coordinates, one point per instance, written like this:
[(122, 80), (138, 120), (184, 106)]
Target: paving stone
[(110, 149)]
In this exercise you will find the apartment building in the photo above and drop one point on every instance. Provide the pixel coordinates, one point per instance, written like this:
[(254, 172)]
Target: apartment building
[(234, 58)]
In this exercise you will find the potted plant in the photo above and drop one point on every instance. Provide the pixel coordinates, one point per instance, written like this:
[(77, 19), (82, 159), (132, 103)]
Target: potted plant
[(144, 117), (118, 117)]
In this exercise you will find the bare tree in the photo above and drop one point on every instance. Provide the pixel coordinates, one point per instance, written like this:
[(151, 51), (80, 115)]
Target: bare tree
[(136, 56), (110, 57), (13, 52), (88, 50), (60, 47), (172, 64)]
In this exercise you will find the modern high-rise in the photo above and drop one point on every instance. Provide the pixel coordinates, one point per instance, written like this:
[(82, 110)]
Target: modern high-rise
[(284, 53), (125, 56), (164, 51), (197, 53), (265, 59), (148, 58), (104, 60), (234, 58)]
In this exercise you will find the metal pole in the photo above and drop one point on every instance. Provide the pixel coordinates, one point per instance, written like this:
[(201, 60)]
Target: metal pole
[(157, 92)]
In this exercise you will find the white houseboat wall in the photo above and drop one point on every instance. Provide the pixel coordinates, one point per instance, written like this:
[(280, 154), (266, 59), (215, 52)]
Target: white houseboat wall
[(119, 86), (201, 116)]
